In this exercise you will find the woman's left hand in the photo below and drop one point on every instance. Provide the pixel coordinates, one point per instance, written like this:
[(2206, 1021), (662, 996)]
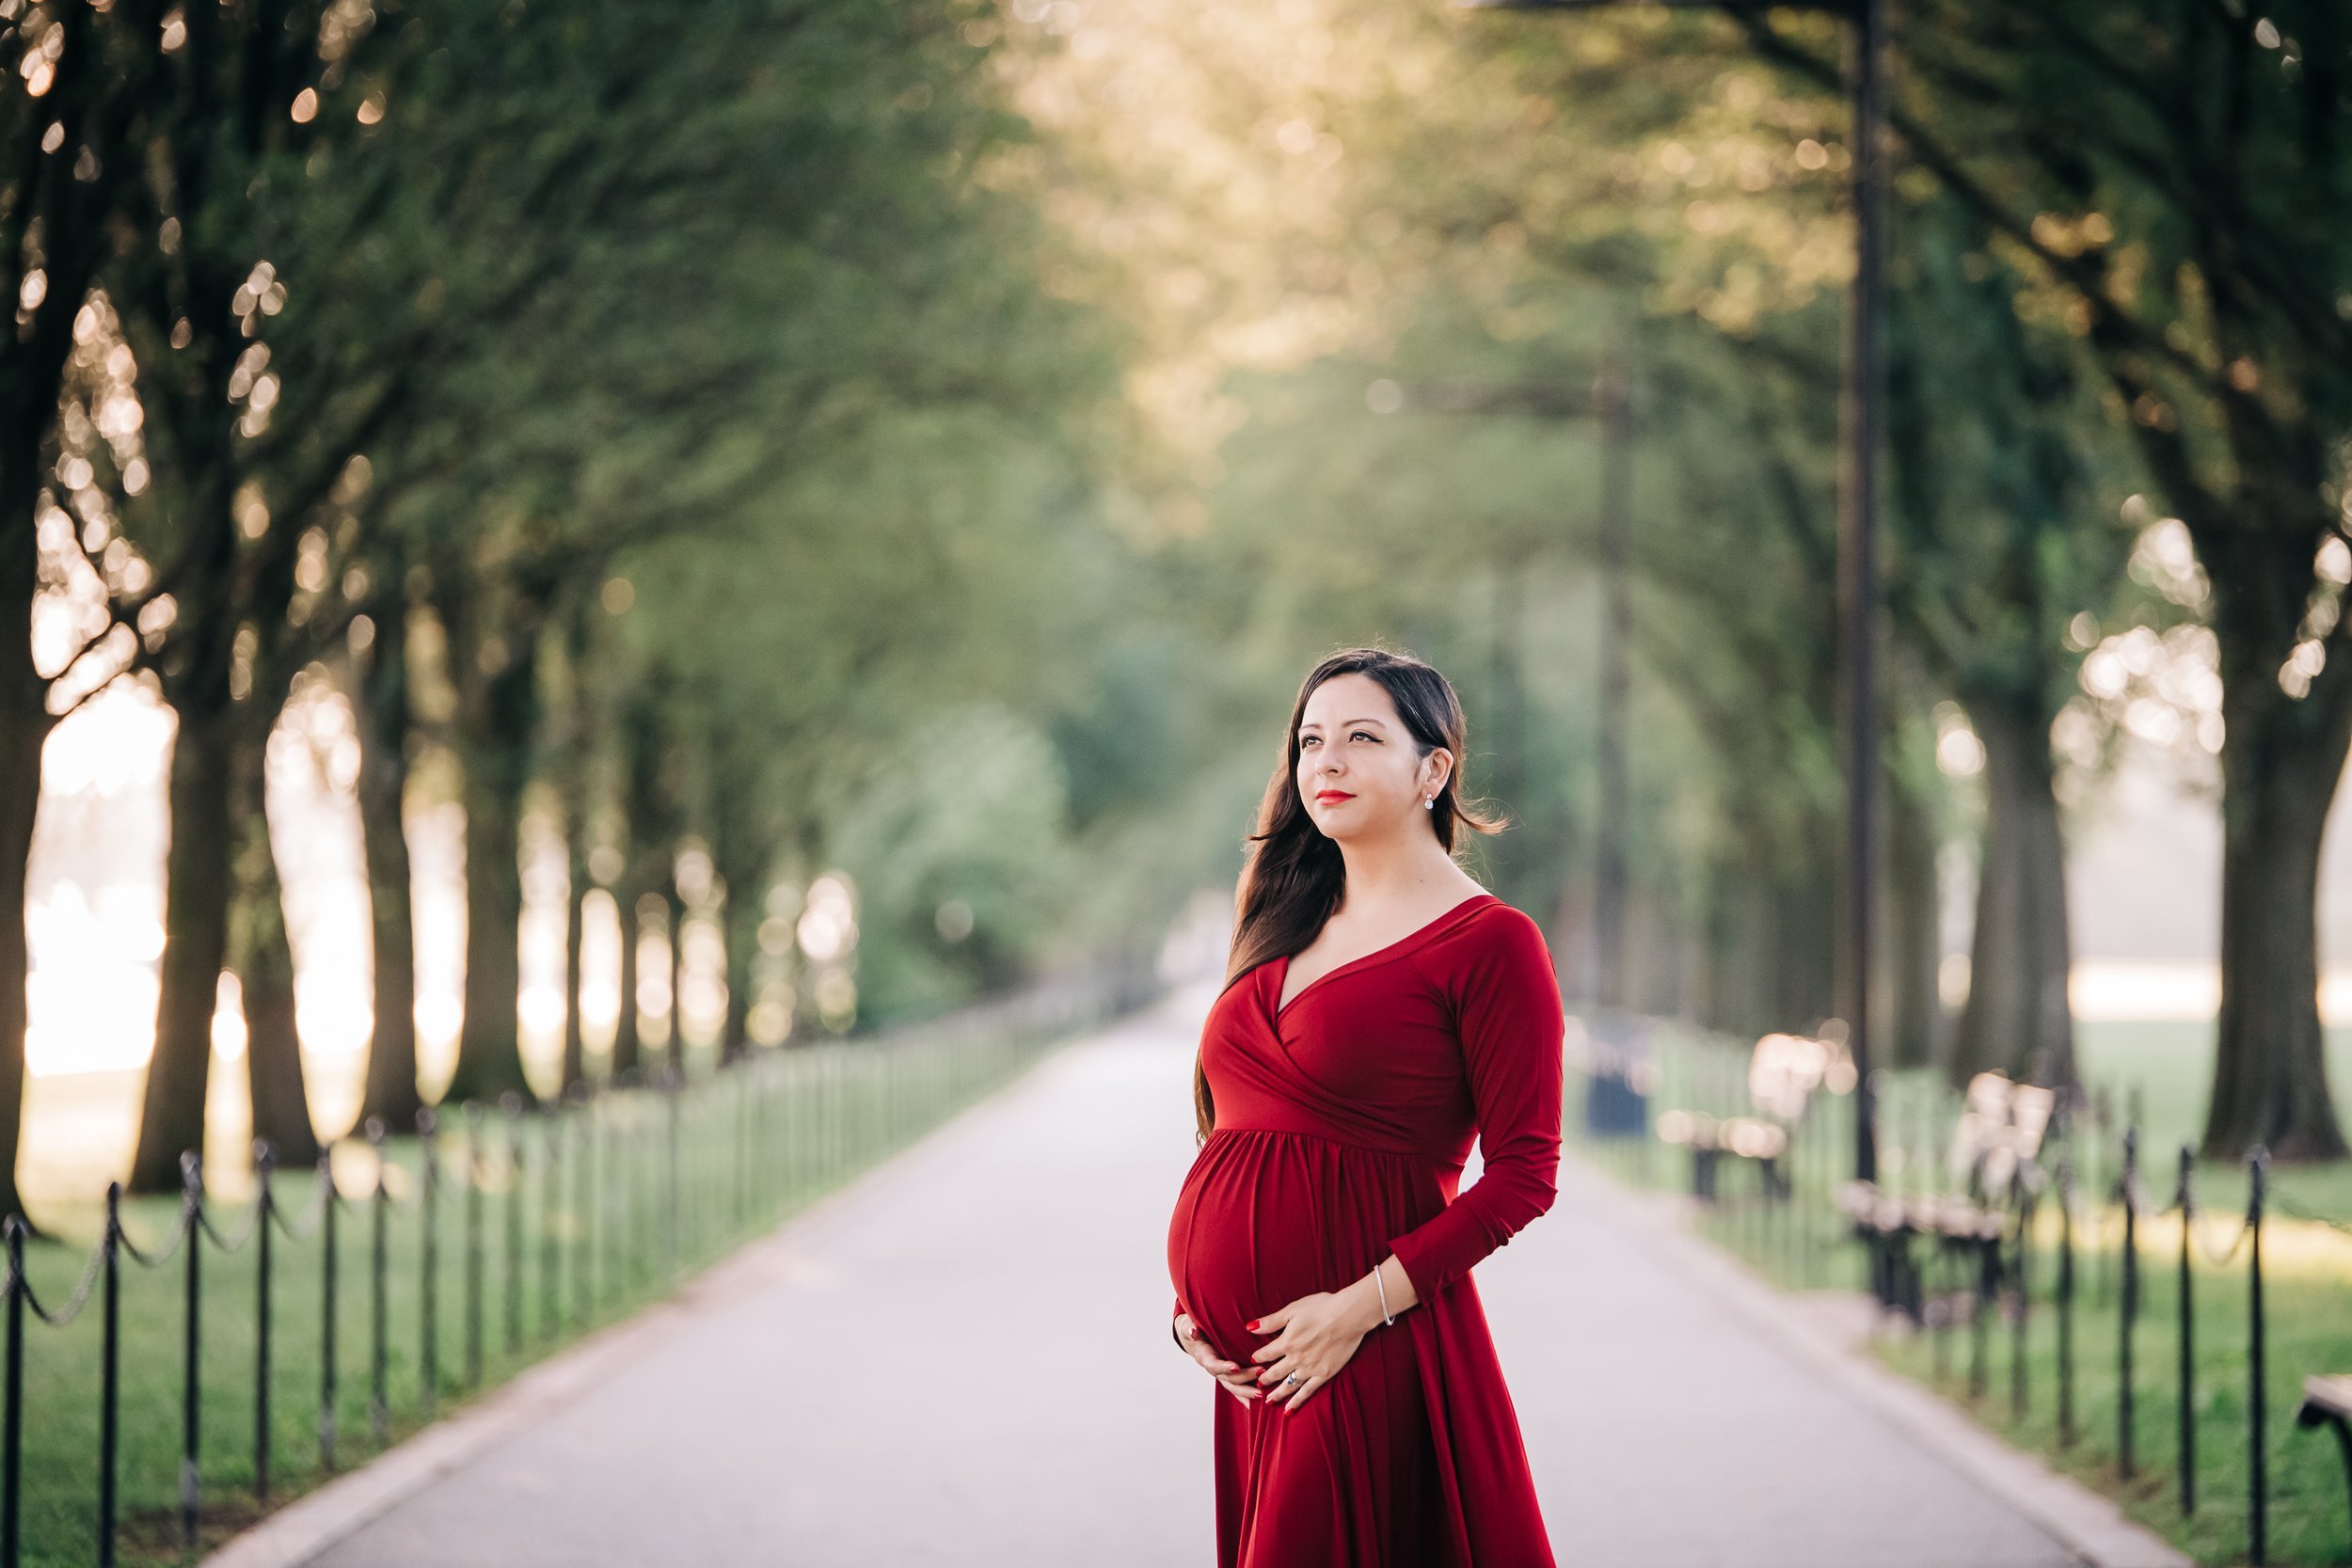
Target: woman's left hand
[(1313, 1336)]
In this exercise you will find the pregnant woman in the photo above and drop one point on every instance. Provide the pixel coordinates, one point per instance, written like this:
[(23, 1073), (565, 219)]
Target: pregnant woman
[(1380, 1010)]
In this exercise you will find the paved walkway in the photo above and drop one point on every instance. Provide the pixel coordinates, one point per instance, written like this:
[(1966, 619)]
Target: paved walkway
[(961, 1361)]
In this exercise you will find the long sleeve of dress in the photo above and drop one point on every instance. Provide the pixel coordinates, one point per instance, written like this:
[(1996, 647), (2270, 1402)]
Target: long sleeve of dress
[(1512, 1031)]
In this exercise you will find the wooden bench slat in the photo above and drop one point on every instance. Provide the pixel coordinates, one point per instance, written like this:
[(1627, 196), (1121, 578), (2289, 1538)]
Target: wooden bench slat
[(2330, 1393)]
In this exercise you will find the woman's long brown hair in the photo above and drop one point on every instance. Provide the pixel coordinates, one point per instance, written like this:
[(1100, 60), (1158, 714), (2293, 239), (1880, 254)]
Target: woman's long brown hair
[(1294, 878)]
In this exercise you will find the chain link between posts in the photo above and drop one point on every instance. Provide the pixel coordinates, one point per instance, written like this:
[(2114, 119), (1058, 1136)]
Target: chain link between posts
[(56, 1317)]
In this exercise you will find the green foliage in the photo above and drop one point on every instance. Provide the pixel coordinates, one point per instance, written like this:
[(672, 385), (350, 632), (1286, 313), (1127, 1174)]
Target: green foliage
[(960, 845)]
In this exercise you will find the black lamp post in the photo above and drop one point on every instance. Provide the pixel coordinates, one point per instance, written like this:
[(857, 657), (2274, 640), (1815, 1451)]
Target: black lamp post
[(1861, 420)]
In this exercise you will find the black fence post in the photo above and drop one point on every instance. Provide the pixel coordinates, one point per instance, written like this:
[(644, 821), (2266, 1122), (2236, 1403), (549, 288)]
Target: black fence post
[(191, 1421), (598, 1259), (328, 1199), (583, 1207), (510, 1111), (629, 1253), (2130, 1264), (550, 1196), (764, 1164), (2066, 1304), (828, 1108), (739, 1079), (2257, 1401), (265, 1161), (753, 1086), (12, 1400), (379, 1351), (1984, 1251), (2098, 1180), (474, 1243), (429, 1323), (621, 1114), (109, 1373), (2024, 1299), (1936, 1264), (846, 1097), (2186, 1198), (808, 1128), (671, 1239)]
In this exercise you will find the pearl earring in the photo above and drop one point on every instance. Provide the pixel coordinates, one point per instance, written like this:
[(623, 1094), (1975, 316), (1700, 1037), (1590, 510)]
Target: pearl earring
[(1428, 803)]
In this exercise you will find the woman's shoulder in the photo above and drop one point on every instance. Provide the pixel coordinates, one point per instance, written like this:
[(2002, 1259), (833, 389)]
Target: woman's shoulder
[(1491, 929)]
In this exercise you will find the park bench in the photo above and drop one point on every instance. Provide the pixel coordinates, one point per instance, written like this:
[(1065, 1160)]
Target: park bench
[(1712, 1139), (1994, 1144), (2328, 1401), (1784, 1071)]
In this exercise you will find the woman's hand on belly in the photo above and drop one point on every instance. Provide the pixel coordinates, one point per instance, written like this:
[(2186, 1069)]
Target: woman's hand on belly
[(1235, 1380), (1313, 1337)]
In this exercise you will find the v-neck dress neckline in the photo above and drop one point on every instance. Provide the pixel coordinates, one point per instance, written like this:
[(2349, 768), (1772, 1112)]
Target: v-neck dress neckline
[(1282, 975)]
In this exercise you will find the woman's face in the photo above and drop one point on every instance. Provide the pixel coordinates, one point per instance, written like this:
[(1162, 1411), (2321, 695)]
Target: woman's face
[(1360, 771)]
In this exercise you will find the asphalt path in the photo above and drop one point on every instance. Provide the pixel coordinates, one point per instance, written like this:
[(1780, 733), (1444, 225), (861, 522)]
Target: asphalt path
[(962, 1360)]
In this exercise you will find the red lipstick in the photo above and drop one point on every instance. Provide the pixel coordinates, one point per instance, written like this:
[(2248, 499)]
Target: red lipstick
[(1333, 795)]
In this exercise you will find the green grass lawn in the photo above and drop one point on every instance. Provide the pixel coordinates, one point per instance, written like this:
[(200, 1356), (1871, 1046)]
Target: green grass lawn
[(601, 1241), (2161, 1070), (2308, 1313), (2169, 1065)]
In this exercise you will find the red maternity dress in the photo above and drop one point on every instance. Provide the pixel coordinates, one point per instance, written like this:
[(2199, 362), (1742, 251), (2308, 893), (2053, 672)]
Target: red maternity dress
[(1343, 1121)]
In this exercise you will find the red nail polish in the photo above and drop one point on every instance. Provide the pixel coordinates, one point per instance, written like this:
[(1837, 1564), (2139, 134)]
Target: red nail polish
[(1251, 1325)]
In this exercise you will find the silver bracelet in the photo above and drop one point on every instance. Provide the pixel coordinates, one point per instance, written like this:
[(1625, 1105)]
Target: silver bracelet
[(1379, 1286)]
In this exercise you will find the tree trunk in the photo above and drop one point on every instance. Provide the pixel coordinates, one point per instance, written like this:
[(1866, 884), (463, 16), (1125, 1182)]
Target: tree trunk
[(2017, 1020), (741, 842), (1911, 945), (24, 728), (574, 757), (264, 959), (489, 1051), (2280, 772), (739, 923), (677, 979), (93, 95), (497, 725), (628, 1049), (574, 1068), (196, 883), (380, 691)]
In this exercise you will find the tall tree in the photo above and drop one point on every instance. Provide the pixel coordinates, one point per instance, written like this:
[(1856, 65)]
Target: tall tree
[(2001, 539), (377, 684), (69, 152), (2171, 189), (493, 662), (229, 507), (262, 958)]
